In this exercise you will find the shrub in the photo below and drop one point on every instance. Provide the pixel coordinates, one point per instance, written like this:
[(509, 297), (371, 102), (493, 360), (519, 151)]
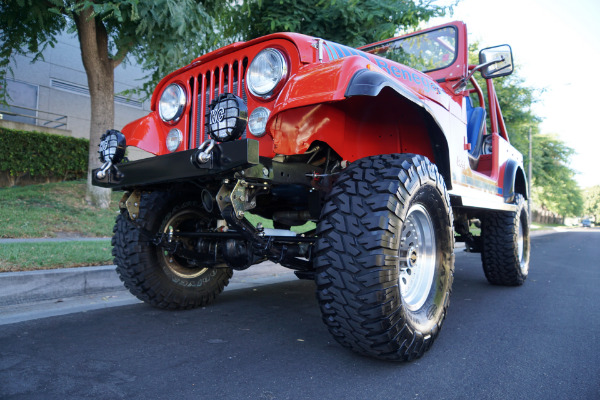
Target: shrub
[(42, 156)]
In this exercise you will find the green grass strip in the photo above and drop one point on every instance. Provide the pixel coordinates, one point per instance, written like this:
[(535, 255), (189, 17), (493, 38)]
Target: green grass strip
[(53, 209), (50, 255)]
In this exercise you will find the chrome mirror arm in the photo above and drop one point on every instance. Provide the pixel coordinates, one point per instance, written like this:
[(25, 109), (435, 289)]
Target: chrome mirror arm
[(462, 84)]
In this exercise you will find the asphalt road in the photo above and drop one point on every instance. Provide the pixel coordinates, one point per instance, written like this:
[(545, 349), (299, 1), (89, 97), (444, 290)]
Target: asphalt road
[(538, 341)]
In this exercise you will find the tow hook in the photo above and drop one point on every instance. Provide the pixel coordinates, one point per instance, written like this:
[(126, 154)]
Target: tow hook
[(203, 155)]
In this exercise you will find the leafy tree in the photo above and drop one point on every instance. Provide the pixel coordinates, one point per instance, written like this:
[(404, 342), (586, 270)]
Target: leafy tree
[(159, 34), (351, 22), (516, 100), (554, 185), (554, 180), (557, 189), (591, 203)]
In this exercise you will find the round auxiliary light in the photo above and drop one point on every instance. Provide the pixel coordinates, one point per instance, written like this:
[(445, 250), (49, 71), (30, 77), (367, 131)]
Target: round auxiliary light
[(266, 73), (172, 102), (257, 122), (112, 147), (226, 118), (174, 139)]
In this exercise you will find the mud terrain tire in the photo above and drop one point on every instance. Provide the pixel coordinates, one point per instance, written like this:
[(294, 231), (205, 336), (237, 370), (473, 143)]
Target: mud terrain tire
[(151, 274), (506, 245), (385, 256)]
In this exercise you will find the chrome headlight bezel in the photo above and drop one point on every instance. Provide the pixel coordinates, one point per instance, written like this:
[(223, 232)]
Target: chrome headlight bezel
[(172, 103), (267, 73)]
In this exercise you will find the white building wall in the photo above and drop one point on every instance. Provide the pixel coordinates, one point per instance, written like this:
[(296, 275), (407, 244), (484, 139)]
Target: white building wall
[(62, 64)]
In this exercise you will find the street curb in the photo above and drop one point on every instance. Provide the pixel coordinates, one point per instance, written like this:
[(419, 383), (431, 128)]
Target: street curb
[(27, 287), (43, 285), (31, 286)]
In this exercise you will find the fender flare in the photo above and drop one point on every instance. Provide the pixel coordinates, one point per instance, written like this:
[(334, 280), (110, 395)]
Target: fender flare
[(370, 83), (515, 181)]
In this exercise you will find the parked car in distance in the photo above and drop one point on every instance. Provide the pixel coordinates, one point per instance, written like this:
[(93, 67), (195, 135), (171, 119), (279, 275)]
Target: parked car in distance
[(586, 223)]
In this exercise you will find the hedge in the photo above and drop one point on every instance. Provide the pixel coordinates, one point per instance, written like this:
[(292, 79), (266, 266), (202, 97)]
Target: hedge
[(42, 155)]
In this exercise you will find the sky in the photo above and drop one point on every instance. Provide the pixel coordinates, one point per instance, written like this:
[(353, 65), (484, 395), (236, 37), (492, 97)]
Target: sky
[(556, 47)]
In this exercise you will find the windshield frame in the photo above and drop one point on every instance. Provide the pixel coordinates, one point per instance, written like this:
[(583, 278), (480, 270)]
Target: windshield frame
[(368, 48)]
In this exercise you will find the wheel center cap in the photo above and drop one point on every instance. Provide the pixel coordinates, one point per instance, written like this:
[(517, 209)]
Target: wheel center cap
[(412, 258)]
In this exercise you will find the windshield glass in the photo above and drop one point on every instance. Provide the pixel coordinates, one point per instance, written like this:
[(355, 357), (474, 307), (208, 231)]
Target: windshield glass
[(427, 51)]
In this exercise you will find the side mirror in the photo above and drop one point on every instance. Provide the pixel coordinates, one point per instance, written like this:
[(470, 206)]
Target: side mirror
[(500, 61)]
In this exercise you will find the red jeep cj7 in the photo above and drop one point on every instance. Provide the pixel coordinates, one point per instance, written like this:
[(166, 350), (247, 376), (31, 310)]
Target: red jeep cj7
[(381, 146)]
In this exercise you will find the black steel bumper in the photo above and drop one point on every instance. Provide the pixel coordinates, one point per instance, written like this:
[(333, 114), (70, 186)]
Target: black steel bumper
[(226, 158)]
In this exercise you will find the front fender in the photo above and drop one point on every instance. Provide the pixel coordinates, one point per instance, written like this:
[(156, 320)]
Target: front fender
[(319, 83), (146, 133), (306, 110), (360, 74)]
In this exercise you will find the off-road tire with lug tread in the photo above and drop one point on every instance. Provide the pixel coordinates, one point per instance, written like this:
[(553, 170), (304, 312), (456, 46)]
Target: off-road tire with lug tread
[(377, 209), (147, 271), (506, 246)]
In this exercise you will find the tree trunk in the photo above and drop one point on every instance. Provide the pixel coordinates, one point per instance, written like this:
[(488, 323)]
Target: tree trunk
[(99, 68)]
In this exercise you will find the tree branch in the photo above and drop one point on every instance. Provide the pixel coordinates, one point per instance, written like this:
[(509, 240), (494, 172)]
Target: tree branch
[(121, 54), (62, 9)]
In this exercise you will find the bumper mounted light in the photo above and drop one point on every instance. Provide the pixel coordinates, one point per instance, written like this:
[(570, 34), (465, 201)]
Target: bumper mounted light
[(111, 150), (226, 118)]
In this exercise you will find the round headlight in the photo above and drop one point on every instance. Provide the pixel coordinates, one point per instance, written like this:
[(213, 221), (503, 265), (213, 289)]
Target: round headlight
[(174, 139), (268, 69), (257, 122), (172, 102)]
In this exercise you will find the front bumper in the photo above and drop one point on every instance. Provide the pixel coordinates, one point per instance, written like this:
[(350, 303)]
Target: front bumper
[(227, 157)]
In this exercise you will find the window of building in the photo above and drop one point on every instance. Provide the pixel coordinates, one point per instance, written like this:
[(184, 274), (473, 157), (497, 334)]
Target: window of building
[(22, 102)]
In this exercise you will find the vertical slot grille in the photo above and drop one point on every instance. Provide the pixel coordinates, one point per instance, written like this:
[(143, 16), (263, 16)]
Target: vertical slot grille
[(212, 83), (190, 138)]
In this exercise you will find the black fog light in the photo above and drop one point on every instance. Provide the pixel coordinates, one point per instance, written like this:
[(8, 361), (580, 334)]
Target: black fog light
[(226, 118), (112, 147), (111, 151)]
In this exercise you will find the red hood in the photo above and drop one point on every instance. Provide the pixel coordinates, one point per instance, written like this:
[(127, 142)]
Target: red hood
[(302, 42)]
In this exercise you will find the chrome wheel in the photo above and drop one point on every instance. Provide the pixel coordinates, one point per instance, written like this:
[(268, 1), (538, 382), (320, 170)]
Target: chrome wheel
[(523, 244), (520, 240), (417, 253)]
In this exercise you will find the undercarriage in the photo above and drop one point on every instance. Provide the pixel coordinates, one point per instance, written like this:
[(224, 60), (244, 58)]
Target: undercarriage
[(226, 183)]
